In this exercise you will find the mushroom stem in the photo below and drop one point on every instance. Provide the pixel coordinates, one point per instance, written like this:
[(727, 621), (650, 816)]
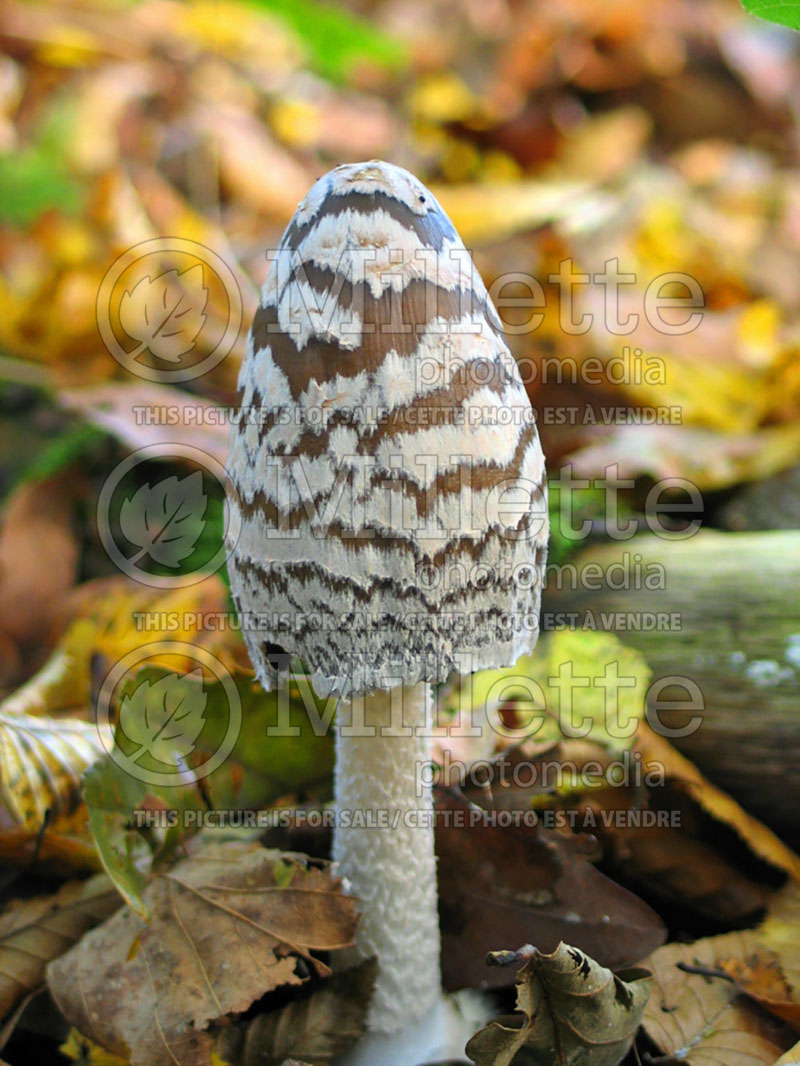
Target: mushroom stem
[(384, 846)]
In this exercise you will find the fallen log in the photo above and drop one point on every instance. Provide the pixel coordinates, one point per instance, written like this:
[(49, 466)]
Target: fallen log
[(720, 614)]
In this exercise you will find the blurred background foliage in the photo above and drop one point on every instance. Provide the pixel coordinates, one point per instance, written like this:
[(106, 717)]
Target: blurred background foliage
[(662, 135)]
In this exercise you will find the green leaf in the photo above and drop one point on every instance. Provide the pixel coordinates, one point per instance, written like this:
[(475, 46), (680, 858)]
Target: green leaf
[(32, 182), (784, 12), (111, 796), (36, 178), (138, 826), (573, 510), (337, 40), (573, 1011), (267, 762), (575, 684)]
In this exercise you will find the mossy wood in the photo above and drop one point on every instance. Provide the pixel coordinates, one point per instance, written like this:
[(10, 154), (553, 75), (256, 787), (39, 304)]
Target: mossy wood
[(723, 610)]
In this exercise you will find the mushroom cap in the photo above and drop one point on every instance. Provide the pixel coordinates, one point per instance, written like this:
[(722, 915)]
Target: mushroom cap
[(384, 460)]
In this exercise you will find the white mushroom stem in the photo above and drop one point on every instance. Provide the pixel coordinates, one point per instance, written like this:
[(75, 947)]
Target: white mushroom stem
[(383, 844)]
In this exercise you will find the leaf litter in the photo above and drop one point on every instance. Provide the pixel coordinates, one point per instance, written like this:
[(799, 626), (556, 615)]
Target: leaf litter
[(225, 927)]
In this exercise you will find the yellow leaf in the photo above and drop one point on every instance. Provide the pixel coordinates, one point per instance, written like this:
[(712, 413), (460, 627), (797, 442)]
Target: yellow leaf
[(780, 932), (441, 97), (659, 753), (42, 761), (757, 331), (81, 1050), (296, 122), (69, 46), (496, 210), (234, 30), (721, 396)]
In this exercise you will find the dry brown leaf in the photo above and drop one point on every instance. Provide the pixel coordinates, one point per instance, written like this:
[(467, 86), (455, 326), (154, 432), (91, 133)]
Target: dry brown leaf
[(226, 927), (317, 1028), (253, 165), (761, 841), (105, 96), (500, 884), (574, 1011), (34, 931), (759, 975), (605, 145), (670, 865), (703, 1019)]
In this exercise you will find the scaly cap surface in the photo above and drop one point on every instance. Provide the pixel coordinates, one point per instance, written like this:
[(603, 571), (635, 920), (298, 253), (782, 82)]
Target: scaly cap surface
[(385, 455)]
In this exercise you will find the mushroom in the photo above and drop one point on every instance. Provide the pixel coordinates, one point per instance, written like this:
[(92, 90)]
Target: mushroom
[(393, 521)]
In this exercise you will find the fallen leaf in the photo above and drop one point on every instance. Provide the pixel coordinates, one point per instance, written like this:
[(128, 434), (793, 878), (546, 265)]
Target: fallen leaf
[(37, 524), (42, 761), (759, 975), (112, 617), (254, 167), (263, 765), (65, 850), (493, 211), (704, 1019), (675, 865), (605, 146), (34, 931), (678, 769), (574, 684), (791, 1058), (316, 1028), (500, 884), (77, 1048), (161, 519), (573, 1012), (780, 933), (709, 458), (225, 927)]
